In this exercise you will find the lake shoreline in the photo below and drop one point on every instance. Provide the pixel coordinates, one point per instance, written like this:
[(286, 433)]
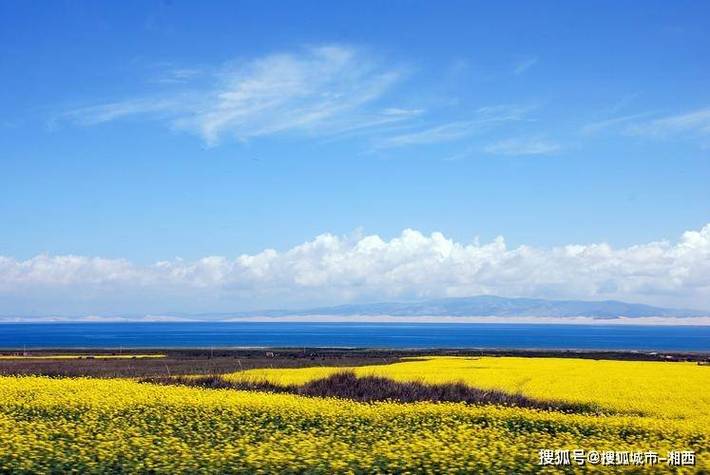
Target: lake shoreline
[(383, 319), (298, 353)]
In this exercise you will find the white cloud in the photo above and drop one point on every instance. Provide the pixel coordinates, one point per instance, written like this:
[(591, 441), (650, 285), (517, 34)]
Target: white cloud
[(525, 64), (332, 269), (399, 112), (482, 119), (325, 91), (437, 134), (523, 146), (695, 123), (108, 112), (320, 90), (688, 126), (610, 123), (178, 75)]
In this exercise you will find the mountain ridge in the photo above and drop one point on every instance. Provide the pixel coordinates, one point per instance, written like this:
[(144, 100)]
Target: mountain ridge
[(484, 306)]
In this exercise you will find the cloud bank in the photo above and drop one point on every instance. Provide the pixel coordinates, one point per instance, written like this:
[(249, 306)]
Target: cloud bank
[(335, 269)]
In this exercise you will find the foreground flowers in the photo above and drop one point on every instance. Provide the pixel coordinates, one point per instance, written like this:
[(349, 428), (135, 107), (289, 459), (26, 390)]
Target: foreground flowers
[(669, 390), (121, 426)]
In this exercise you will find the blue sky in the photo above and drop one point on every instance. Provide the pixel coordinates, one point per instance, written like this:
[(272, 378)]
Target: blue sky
[(144, 132)]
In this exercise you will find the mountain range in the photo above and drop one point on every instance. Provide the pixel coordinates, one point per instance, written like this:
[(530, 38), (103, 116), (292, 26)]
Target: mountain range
[(484, 306)]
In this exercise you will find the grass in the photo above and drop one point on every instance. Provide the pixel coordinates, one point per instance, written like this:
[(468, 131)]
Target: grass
[(79, 357), (182, 362)]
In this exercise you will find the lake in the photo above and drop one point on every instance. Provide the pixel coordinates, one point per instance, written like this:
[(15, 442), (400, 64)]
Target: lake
[(349, 335)]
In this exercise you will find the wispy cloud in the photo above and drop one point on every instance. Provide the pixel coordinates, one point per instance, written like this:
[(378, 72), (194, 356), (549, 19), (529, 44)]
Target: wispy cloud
[(611, 123), (329, 92), (320, 90), (622, 103), (523, 146), (696, 122), (177, 75), (465, 153), (691, 125), (483, 118), (523, 65), (98, 114), (440, 133)]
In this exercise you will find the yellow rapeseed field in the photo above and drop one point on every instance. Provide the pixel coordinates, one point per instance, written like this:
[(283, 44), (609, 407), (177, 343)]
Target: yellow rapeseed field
[(676, 390), (86, 425)]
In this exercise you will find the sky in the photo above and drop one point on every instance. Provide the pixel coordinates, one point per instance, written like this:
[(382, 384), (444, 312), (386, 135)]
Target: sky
[(168, 156)]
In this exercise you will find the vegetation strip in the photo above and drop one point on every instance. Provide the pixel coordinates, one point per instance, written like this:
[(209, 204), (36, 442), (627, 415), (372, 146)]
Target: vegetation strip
[(79, 357), (347, 385)]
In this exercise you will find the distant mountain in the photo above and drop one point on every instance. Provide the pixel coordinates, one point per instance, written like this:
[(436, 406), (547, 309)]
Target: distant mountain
[(480, 306), (488, 305)]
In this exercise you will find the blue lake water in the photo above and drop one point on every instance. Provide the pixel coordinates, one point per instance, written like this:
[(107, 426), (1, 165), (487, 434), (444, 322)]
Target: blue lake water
[(358, 335)]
